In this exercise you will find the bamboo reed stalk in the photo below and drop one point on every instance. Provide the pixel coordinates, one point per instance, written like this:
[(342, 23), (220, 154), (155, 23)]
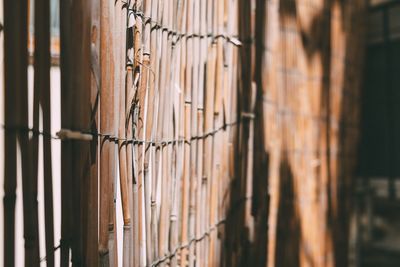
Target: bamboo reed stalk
[(66, 148), (148, 119), (218, 120), (91, 252), (167, 132), (175, 217), (190, 172), (42, 87), (141, 66), (163, 179), (152, 129), (81, 52), (28, 148), (129, 154), (208, 142), (137, 166), (15, 23), (131, 77), (124, 184), (106, 126)]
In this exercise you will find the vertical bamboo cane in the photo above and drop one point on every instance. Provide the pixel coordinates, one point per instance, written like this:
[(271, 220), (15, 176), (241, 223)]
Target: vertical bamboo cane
[(177, 130), (185, 109), (168, 130), (28, 148), (163, 228), (129, 96), (139, 117), (106, 126), (66, 165), (124, 184), (15, 61), (208, 141), (92, 229), (152, 127), (81, 114), (129, 160), (148, 118), (131, 117), (188, 106), (42, 84)]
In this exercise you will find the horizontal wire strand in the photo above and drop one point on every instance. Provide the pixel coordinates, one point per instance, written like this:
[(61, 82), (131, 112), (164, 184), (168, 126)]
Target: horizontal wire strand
[(117, 139)]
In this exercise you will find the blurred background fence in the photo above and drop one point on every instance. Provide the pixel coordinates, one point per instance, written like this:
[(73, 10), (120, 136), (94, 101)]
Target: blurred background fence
[(180, 132)]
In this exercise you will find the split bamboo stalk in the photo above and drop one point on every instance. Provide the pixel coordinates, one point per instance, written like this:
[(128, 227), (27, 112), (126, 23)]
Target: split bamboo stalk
[(106, 126)]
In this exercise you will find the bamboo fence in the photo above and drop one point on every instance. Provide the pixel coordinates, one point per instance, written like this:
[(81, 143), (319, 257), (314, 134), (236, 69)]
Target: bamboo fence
[(228, 127)]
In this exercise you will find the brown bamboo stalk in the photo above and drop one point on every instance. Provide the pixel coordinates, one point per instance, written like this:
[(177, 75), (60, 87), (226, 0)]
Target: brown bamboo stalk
[(42, 86), (139, 133), (148, 118), (152, 128), (106, 126), (81, 54), (124, 184), (162, 133), (15, 72), (168, 132), (196, 216), (196, 82), (218, 121), (131, 77), (188, 105), (177, 132), (28, 147), (208, 141), (91, 252), (66, 164), (129, 159)]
